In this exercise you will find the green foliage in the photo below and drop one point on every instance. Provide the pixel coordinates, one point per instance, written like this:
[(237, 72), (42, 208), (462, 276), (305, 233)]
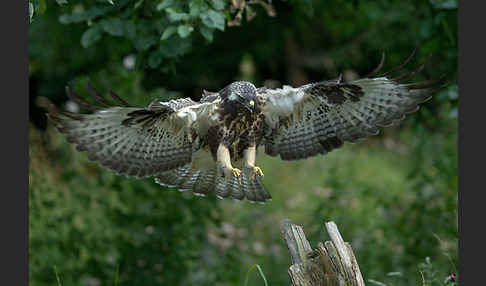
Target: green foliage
[(444, 4), (87, 223), (144, 22), (394, 197), (90, 36), (36, 7), (213, 19), (31, 11)]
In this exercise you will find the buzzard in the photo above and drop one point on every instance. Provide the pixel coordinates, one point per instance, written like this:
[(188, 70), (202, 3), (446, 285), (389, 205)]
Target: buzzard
[(210, 146)]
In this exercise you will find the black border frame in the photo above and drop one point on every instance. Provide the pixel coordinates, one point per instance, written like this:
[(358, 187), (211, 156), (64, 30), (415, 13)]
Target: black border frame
[(471, 56), (14, 211)]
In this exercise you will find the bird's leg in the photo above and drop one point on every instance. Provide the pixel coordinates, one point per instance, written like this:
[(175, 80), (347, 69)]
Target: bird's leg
[(250, 156), (224, 161)]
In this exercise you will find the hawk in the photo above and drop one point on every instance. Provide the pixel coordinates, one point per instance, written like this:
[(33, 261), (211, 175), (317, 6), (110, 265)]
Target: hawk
[(210, 146)]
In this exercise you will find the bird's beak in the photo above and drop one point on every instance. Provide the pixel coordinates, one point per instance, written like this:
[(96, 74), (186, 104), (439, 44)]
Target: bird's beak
[(251, 105)]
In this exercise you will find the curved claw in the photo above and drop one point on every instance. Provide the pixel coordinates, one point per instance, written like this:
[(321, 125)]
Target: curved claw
[(257, 171)]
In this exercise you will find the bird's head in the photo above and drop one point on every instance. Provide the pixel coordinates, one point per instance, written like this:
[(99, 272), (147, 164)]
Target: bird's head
[(240, 94)]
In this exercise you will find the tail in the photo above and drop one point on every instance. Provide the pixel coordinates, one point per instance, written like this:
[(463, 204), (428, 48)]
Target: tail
[(204, 181)]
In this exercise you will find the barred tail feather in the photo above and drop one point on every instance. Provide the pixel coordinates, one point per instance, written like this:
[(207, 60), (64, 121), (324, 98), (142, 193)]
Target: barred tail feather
[(129, 141), (203, 182)]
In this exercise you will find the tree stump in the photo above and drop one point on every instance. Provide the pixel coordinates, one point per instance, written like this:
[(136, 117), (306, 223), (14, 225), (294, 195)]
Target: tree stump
[(330, 264)]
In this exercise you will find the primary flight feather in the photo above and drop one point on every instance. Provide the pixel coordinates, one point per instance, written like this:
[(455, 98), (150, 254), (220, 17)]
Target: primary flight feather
[(210, 146)]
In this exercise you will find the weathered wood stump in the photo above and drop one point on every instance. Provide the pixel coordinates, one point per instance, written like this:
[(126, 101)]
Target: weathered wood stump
[(330, 264)]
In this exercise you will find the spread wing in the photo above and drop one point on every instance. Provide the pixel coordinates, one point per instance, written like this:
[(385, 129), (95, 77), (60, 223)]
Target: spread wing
[(317, 118), (133, 141)]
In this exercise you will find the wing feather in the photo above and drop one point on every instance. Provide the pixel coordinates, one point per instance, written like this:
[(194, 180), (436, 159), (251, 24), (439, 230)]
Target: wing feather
[(317, 118), (131, 141)]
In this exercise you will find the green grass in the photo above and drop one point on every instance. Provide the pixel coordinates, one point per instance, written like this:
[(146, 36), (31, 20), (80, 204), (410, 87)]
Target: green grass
[(260, 271), (394, 201), (57, 276)]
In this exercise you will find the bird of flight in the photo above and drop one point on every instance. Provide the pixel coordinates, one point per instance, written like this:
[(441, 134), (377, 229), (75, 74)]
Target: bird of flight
[(210, 146)]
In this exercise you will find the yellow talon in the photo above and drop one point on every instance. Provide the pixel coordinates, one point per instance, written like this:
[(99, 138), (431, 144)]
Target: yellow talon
[(257, 171), (237, 173)]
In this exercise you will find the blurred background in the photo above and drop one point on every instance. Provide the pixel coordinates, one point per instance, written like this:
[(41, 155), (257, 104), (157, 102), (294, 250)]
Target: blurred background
[(393, 197)]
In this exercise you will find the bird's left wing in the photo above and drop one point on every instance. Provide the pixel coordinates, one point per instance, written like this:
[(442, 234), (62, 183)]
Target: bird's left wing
[(133, 141), (317, 118)]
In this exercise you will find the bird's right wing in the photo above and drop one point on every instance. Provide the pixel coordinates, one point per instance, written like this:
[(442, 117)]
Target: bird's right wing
[(133, 141), (319, 117)]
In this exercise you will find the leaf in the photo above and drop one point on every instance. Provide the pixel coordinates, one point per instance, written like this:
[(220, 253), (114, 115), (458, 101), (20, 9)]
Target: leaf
[(197, 7), (444, 4), (91, 36), (114, 26), (42, 6), (213, 19), (92, 13), (87, 15), (175, 16), (65, 19), (111, 2), (138, 4), (184, 30), (168, 32), (218, 4), (31, 11), (164, 4), (207, 33), (62, 2)]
